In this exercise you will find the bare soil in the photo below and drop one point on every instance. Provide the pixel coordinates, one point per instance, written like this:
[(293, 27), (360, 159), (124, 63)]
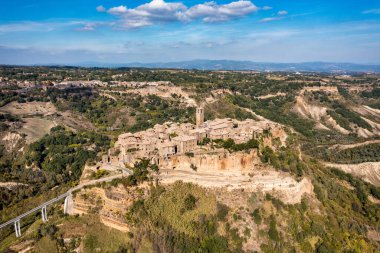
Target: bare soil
[(369, 172), (29, 108), (347, 146), (36, 128), (266, 179)]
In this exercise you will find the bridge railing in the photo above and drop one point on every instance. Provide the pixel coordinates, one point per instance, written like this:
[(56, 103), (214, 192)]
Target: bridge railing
[(56, 199), (42, 207)]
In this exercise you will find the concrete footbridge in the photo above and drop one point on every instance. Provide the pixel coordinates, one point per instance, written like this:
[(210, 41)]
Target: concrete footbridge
[(68, 201)]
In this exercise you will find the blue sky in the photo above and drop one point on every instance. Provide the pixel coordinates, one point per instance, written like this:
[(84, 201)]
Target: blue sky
[(110, 31)]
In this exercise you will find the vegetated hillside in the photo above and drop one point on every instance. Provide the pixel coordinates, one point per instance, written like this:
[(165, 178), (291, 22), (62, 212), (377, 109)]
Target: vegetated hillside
[(341, 215), (125, 112), (56, 159), (319, 223), (185, 218), (360, 154)]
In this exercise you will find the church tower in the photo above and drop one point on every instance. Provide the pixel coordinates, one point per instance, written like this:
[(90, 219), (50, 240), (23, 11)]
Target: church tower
[(199, 116)]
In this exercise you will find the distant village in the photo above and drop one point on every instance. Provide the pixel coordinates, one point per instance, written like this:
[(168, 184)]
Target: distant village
[(78, 84)]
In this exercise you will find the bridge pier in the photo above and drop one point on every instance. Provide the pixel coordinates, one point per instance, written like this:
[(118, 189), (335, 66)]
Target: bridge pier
[(17, 228), (44, 214), (43, 208), (67, 204)]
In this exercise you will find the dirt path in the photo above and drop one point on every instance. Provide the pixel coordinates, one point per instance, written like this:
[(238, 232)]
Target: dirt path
[(108, 96), (347, 146), (278, 94)]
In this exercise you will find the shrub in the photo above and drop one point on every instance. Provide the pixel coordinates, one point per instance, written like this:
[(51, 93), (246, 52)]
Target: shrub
[(257, 216), (190, 202), (222, 211), (272, 232)]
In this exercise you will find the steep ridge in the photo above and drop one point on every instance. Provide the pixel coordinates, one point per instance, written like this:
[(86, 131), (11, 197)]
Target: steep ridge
[(235, 171), (369, 172)]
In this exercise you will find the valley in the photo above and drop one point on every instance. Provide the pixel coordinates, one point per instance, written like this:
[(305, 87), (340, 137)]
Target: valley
[(220, 161)]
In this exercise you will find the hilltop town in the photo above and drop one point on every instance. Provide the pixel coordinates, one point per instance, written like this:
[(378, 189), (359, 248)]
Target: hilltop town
[(172, 139)]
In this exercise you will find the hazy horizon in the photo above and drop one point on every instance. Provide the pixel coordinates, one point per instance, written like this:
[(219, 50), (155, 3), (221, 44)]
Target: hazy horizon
[(186, 60)]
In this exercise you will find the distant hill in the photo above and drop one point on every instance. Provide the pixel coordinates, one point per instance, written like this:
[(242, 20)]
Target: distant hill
[(247, 65)]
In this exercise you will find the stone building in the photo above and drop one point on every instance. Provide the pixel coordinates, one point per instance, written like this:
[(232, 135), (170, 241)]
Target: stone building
[(185, 143), (199, 117), (166, 150), (199, 133)]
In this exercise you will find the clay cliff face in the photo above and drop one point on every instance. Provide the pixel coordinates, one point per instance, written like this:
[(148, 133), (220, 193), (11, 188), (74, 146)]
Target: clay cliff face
[(234, 171), (213, 162), (111, 203)]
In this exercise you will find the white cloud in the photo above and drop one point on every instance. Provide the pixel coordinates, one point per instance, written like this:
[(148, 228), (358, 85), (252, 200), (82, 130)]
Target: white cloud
[(212, 12), (280, 15), (90, 26), (118, 10), (267, 8), (86, 28), (24, 27), (265, 20), (372, 11), (44, 26), (100, 8), (159, 11)]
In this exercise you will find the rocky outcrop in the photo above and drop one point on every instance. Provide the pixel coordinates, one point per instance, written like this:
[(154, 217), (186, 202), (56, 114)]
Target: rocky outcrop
[(235, 171), (11, 185), (110, 203), (220, 161), (318, 114), (11, 140)]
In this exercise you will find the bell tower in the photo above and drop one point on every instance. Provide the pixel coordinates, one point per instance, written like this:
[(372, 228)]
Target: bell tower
[(199, 116)]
